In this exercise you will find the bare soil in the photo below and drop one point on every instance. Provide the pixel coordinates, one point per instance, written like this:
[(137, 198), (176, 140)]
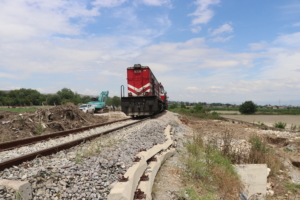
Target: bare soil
[(47, 120)]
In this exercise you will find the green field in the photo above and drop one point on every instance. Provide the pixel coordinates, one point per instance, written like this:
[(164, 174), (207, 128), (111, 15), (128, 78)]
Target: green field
[(19, 110), (200, 114)]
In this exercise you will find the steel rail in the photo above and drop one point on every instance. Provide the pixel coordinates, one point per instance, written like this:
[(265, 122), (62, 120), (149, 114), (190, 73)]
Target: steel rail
[(31, 140), (52, 150)]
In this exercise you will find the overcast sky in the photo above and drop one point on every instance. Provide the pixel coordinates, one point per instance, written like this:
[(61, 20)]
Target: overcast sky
[(200, 50)]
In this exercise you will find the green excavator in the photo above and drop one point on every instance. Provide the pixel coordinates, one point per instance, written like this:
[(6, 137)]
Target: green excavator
[(100, 102)]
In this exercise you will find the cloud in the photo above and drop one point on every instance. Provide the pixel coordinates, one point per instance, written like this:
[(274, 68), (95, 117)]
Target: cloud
[(90, 92), (158, 67), (27, 19), (258, 46), (296, 24), (225, 28), (196, 29), (289, 39), (155, 2), (7, 75), (108, 3), (221, 39), (110, 73), (203, 13), (219, 63)]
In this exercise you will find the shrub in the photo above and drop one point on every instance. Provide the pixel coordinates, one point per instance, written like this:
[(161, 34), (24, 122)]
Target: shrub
[(293, 127), (198, 108), (280, 125), (214, 113), (248, 107), (182, 106)]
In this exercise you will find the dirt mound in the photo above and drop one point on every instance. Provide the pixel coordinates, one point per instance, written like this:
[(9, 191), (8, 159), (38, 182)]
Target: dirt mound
[(68, 116)]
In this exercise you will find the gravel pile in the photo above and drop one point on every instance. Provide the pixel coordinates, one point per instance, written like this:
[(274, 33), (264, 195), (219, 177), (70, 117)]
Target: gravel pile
[(67, 175)]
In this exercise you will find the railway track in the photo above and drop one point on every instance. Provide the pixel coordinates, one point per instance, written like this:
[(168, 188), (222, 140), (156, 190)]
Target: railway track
[(54, 149), (32, 140)]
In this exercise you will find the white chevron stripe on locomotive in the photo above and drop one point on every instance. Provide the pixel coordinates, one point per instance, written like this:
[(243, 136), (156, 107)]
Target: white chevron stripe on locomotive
[(139, 89), (134, 94)]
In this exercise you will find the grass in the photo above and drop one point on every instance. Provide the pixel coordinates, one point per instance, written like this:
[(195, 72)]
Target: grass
[(18, 195), (281, 125), (39, 129), (209, 163), (93, 148), (210, 173), (293, 187), (19, 110), (189, 112)]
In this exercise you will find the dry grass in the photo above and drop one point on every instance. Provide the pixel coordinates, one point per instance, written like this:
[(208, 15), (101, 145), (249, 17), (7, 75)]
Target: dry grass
[(94, 147), (210, 173)]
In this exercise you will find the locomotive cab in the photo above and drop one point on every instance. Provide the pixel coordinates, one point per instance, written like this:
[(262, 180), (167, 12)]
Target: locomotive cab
[(146, 96)]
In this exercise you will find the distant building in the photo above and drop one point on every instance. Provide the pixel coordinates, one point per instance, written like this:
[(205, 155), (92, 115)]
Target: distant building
[(282, 107)]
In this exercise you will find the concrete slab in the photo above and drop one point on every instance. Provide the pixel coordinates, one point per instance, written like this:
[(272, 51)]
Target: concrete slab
[(23, 188), (125, 190), (254, 176), (146, 186)]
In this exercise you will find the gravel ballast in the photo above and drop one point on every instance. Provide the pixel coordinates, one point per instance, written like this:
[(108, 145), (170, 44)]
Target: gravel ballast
[(88, 171)]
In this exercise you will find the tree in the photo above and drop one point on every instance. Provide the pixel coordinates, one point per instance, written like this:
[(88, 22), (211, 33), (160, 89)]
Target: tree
[(173, 106), (182, 105), (248, 107), (116, 101), (66, 94), (54, 99), (198, 108)]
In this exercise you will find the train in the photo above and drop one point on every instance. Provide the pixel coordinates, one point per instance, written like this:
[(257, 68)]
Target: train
[(146, 96)]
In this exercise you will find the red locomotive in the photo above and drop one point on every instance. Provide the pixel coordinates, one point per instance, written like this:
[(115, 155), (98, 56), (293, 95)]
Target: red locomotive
[(146, 96)]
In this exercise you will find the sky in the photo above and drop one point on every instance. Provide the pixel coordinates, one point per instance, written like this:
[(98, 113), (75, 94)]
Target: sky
[(200, 50)]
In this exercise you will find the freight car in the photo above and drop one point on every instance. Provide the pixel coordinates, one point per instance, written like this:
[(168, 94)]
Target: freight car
[(146, 96)]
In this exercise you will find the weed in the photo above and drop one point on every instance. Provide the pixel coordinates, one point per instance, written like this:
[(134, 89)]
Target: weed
[(94, 147), (18, 195), (279, 125), (293, 187), (260, 123), (260, 153), (192, 194), (39, 129), (209, 170), (293, 127), (22, 119), (287, 150)]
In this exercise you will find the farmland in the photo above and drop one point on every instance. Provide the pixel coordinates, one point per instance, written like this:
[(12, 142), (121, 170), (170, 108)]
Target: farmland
[(269, 120)]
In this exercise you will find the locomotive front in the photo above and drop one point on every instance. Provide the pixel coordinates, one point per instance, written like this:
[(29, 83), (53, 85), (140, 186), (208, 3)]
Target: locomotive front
[(146, 96)]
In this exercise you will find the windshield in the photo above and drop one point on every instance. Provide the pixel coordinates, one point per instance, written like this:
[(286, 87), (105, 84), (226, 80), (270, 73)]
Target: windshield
[(82, 106)]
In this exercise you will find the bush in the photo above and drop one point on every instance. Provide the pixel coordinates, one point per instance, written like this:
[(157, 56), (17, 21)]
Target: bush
[(248, 107), (198, 108), (280, 125), (182, 106)]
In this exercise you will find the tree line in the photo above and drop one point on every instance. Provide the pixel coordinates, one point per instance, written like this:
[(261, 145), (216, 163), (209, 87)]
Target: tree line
[(30, 97)]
